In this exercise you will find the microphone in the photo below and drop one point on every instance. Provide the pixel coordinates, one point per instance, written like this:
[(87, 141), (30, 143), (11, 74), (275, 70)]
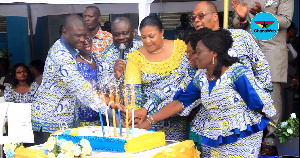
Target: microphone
[(122, 48)]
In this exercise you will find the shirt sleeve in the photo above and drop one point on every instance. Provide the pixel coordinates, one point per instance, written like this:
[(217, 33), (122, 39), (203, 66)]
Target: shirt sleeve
[(252, 92), (75, 82), (285, 12), (8, 93), (259, 64)]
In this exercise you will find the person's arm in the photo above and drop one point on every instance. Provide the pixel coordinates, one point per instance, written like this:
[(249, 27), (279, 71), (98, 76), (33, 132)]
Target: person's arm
[(252, 91), (8, 93), (260, 65), (240, 19), (182, 99), (285, 13), (74, 81)]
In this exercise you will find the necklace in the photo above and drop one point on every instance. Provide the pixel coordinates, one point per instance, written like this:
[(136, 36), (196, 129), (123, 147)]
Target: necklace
[(89, 62), (155, 52), (211, 77), (23, 87)]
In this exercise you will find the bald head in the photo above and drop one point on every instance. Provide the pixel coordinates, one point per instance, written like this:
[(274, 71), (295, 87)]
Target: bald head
[(207, 15), (209, 5), (73, 20)]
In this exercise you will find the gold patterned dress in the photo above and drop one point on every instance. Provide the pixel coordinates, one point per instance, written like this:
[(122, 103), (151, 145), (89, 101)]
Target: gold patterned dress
[(155, 85)]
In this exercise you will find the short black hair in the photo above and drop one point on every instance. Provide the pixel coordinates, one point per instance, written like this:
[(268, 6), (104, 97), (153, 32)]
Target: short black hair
[(151, 21), (38, 64), (121, 19), (72, 19), (14, 81), (96, 8), (220, 41)]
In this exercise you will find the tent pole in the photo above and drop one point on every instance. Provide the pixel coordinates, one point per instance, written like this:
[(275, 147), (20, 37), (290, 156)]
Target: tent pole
[(30, 31), (226, 14)]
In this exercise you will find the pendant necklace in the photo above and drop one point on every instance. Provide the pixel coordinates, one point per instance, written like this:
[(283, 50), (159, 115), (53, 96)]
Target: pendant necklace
[(89, 62)]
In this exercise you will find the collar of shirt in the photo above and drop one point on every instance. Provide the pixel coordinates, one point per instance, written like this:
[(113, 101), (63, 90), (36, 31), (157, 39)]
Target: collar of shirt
[(99, 33), (72, 50)]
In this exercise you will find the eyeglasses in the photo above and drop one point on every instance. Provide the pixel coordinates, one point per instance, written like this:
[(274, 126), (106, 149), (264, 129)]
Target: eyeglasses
[(20, 71), (200, 16)]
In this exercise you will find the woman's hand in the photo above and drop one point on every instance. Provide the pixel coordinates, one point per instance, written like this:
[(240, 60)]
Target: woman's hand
[(144, 125), (141, 114)]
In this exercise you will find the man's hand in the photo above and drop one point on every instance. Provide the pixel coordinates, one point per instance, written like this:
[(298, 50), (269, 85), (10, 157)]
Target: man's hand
[(240, 9), (256, 9), (119, 68)]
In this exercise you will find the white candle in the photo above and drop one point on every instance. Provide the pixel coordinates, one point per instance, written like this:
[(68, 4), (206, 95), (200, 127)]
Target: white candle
[(107, 121), (132, 122)]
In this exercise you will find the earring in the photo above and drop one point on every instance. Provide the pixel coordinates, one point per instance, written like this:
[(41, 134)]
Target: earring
[(213, 60), (162, 37)]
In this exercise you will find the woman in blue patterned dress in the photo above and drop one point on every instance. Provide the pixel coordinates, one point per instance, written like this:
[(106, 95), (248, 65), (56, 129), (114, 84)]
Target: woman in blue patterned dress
[(158, 70), (22, 87), (231, 97), (88, 66)]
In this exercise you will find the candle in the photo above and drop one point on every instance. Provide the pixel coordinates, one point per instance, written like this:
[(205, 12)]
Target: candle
[(132, 95), (114, 122), (101, 121), (127, 129), (103, 98), (126, 98), (117, 99), (107, 121), (132, 127), (111, 100), (120, 121)]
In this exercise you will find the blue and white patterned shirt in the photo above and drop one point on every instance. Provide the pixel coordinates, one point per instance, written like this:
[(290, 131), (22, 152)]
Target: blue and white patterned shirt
[(11, 95), (247, 50), (55, 99)]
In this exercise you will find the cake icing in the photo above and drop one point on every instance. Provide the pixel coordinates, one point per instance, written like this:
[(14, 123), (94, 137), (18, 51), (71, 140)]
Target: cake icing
[(142, 140)]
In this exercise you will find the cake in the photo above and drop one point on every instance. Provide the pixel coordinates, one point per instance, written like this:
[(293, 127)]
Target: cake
[(142, 140)]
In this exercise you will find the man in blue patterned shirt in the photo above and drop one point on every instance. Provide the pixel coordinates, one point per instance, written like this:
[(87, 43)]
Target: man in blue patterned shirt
[(55, 99), (114, 67)]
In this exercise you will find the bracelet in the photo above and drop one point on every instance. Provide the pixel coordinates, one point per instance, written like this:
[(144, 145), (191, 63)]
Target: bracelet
[(152, 119), (242, 22), (149, 121)]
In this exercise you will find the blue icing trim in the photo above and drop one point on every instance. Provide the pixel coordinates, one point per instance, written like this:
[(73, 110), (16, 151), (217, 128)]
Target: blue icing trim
[(67, 132), (105, 144), (237, 134)]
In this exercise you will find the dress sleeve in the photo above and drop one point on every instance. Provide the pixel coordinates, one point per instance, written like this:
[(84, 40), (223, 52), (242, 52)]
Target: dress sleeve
[(189, 95), (251, 91), (74, 81), (8, 93), (133, 76)]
